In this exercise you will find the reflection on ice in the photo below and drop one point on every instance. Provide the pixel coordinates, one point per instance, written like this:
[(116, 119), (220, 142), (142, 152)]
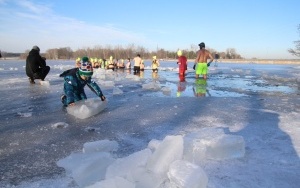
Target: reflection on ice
[(226, 80)]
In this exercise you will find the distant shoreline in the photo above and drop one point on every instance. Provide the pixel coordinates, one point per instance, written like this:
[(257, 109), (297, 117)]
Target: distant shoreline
[(246, 61), (258, 61)]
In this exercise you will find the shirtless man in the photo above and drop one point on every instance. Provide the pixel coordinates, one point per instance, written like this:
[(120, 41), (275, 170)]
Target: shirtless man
[(201, 61), (137, 63)]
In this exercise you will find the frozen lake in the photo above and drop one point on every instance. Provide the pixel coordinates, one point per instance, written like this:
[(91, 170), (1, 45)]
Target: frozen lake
[(258, 102)]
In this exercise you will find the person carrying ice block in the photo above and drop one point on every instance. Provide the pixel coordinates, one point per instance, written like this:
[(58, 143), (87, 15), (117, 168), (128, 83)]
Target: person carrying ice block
[(75, 81)]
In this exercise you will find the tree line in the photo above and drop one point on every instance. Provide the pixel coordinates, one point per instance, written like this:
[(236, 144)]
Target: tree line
[(296, 50), (130, 51)]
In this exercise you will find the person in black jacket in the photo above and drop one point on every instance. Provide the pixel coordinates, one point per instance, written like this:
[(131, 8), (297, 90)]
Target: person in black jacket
[(36, 67)]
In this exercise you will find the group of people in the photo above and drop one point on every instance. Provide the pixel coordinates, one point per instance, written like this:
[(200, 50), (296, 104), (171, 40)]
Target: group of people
[(105, 64), (201, 68), (77, 78), (200, 65), (140, 66)]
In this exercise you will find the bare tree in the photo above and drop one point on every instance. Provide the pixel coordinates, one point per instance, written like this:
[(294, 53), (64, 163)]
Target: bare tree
[(52, 53), (296, 51)]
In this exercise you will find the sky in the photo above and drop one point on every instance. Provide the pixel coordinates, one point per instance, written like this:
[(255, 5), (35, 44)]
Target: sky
[(255, 29)]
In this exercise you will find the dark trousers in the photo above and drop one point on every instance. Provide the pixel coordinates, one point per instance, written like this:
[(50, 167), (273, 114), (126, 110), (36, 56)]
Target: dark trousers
[(136, 69), (42, 73)]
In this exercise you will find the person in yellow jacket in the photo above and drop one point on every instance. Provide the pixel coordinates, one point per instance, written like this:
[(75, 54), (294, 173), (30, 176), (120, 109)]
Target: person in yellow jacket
[(155, 64)]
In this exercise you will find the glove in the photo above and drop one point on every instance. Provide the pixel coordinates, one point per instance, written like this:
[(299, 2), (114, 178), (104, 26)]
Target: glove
[(208, 64)]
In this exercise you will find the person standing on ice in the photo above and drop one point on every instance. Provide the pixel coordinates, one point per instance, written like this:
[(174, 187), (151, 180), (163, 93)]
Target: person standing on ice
[(182, 62), (155, 64), (137, 63), (75, 81), (201, 65), (36, 67)]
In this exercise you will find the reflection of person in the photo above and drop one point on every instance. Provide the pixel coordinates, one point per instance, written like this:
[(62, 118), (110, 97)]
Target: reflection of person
[(142, 66), (200, 88), (36, 67), (154, 75), (181, 86), (217, 56), (155, 64), (75, 81), (182, 62), (137, 62), (201, 61)]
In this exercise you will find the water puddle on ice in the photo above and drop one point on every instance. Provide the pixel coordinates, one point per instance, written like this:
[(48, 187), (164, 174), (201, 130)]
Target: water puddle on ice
[(220, 86)]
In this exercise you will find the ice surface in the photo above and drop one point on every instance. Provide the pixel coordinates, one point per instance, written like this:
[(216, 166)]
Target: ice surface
[(133, 77), (166, 90), (107, 83), (169, 150), (151, 86), (187, 175), (100, 146), (117, 91), (87, 108), (45, 83), (60, 125), (225, 147), (25, 114), (86, 168), (199, 145)]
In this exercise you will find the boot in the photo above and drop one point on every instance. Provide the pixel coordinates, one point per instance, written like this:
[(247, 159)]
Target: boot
[(31, 80)]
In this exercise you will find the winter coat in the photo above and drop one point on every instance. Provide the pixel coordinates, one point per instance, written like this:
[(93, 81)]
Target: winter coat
[(74, 86), (34, 62)]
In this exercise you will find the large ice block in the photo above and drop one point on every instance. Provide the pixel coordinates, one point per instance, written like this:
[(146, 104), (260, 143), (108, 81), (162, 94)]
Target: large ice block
[(195, 143), (186, 174), (211, 143), (87, 108), (169, 150), (86, 168), (124, 167)]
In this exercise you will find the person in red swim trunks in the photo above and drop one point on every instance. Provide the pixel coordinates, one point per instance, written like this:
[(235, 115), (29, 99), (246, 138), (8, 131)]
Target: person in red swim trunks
[(182, 62)]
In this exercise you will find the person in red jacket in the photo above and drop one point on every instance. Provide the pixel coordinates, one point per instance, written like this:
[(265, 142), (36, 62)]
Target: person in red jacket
[(182, 62)]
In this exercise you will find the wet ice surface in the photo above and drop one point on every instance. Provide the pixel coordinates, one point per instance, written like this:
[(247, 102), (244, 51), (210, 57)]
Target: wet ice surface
[(259, 103)]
